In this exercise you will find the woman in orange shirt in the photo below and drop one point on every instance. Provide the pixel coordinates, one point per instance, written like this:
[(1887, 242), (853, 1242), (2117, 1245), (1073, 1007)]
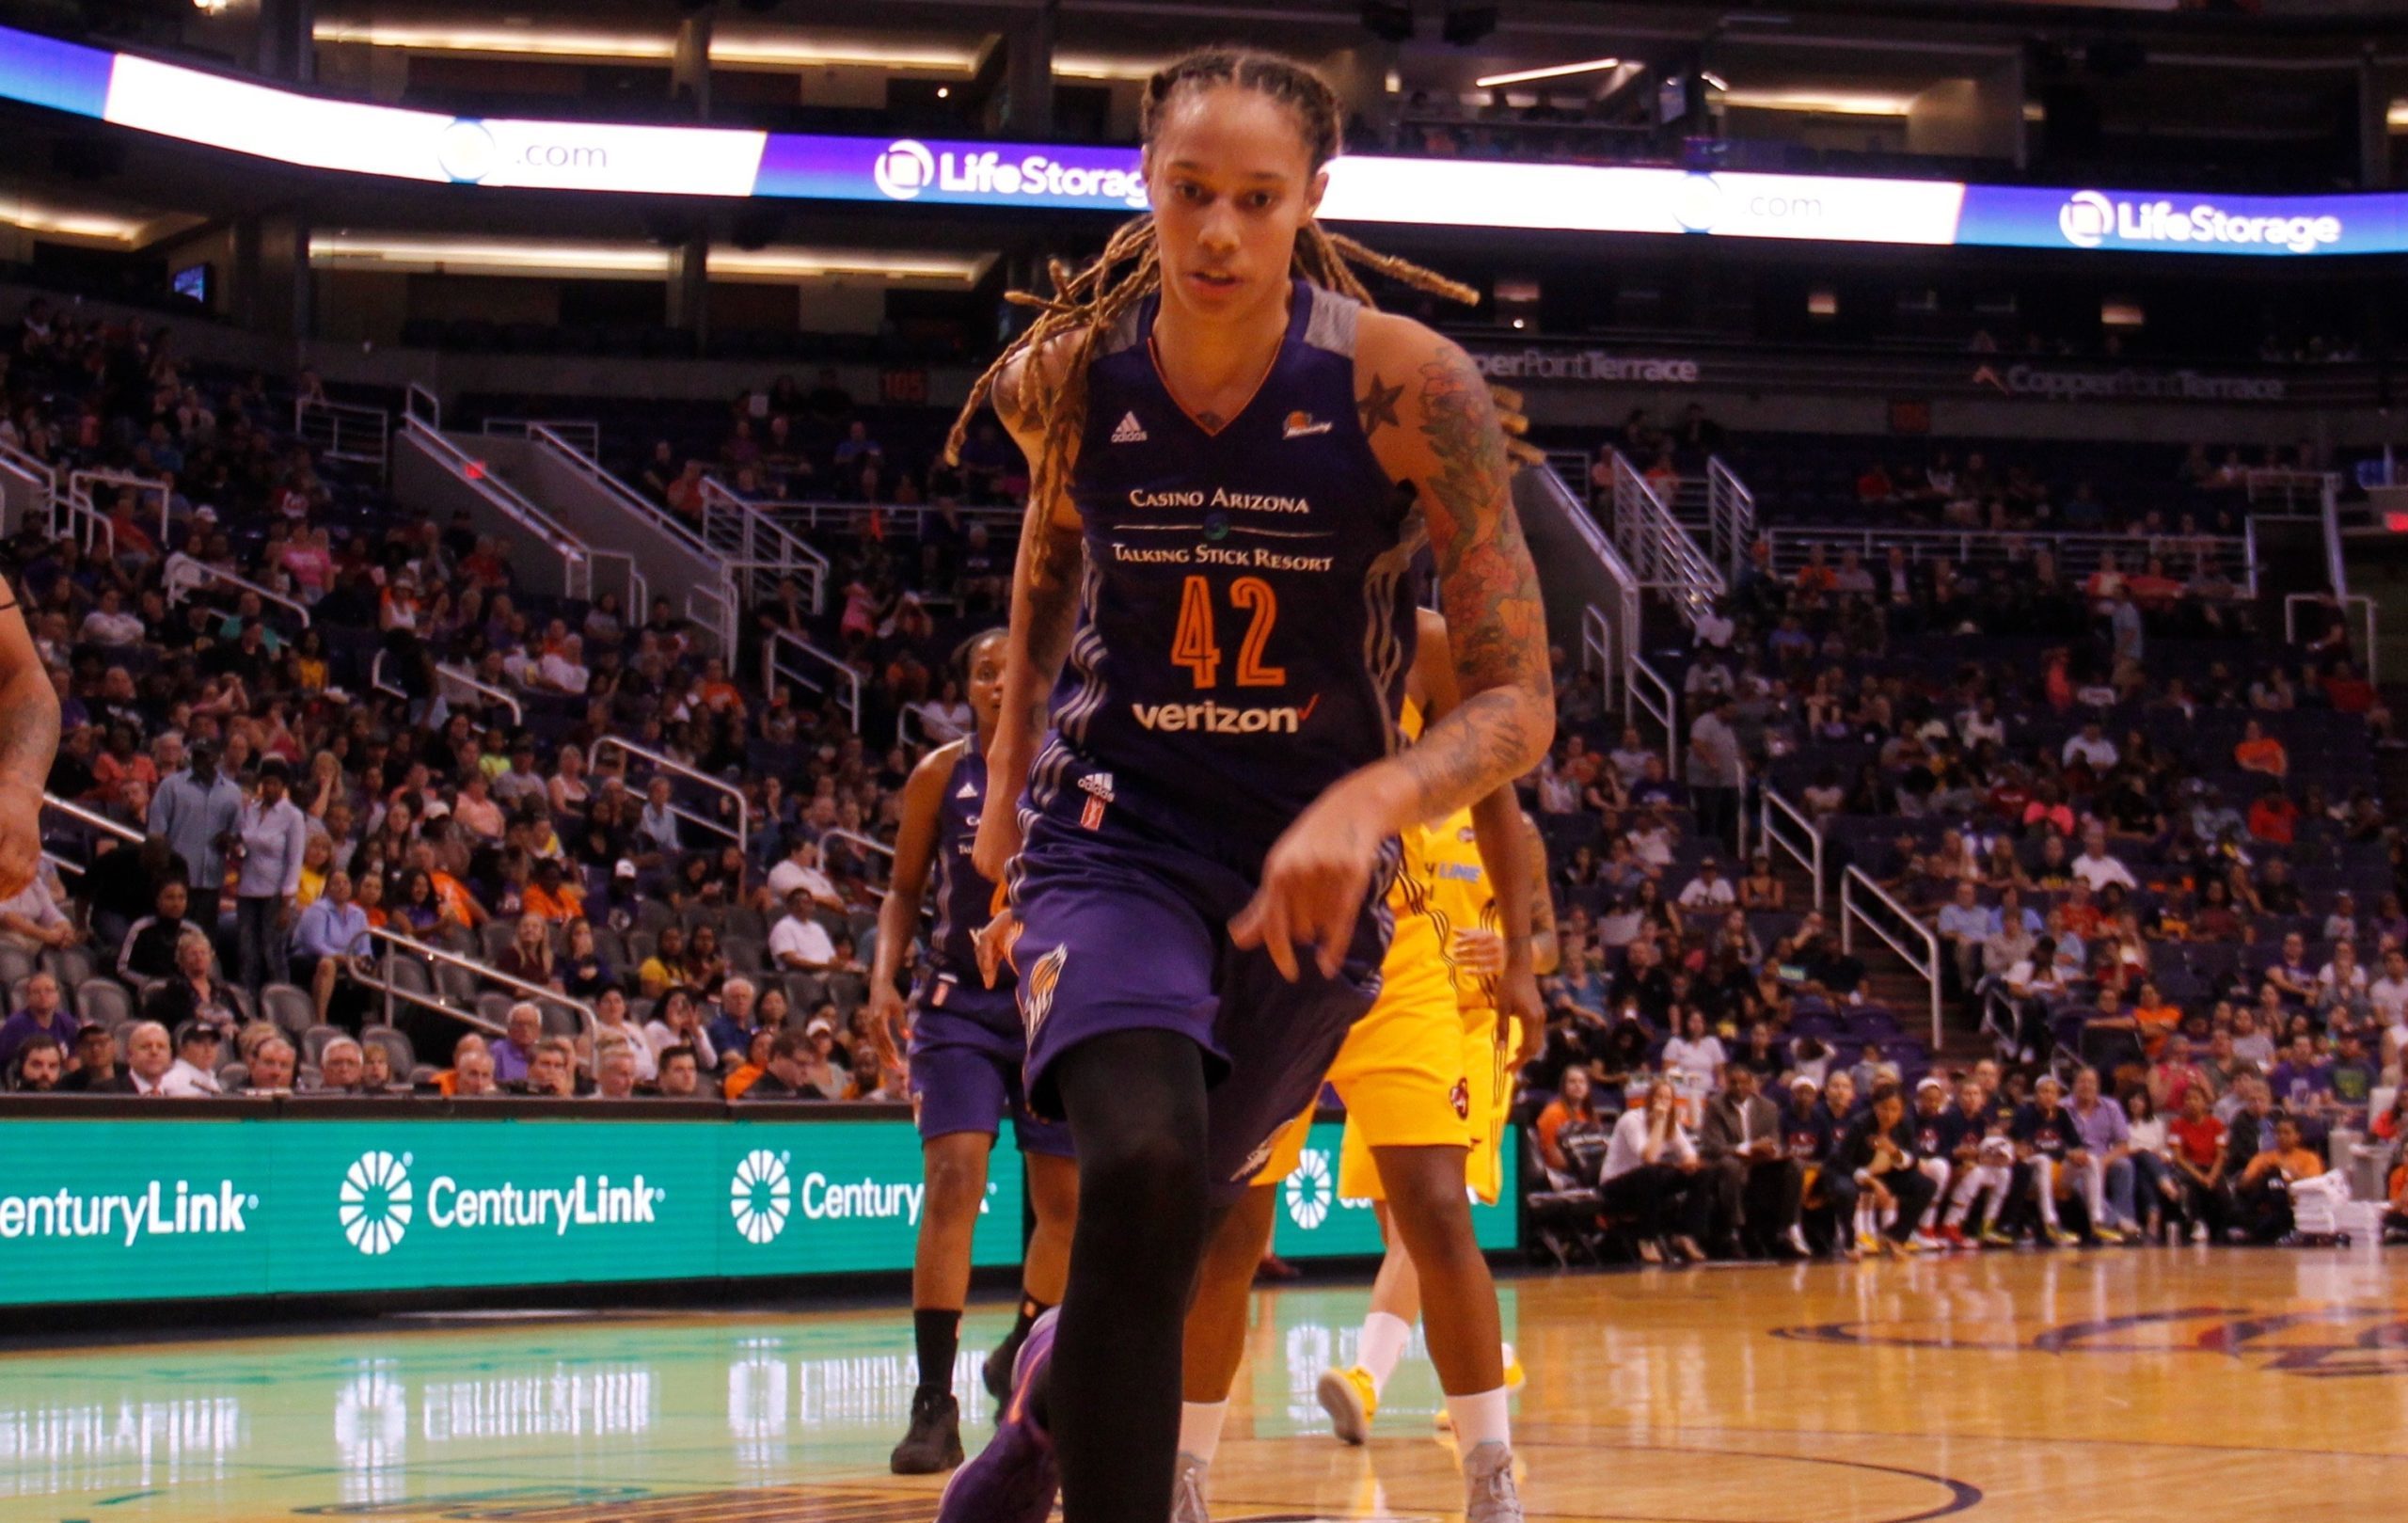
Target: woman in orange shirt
[(2159, 1017), (2260, 753)]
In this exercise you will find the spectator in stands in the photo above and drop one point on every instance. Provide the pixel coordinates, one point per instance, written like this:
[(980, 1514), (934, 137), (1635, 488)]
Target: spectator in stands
[(681, 1076), (42, 1014), (1709, 889), (2261, 1194), (272, 839), (678, 1023), (92, 1061), (612, 1025), (1757, 1186), (656, 832), (149, 1055), (2097, 866), (32, 921), (615, 1069), (551, 1069), (38, 1066), (801, 868), (2092, 748), (1652, 1176), (2260, 753), (200, 811), (149, 950), (472, 1070), (826, 1065), (342, 1067), (193, 993), (193, 1073), (1760, 889), (271, 1069), (529, 955), (798, 941), (732, 1026), (785, 1076), (514, 1051), (1572, 1113), (329, 939)]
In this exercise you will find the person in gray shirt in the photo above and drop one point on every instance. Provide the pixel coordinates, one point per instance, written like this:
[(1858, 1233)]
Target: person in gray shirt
[(200, 811)]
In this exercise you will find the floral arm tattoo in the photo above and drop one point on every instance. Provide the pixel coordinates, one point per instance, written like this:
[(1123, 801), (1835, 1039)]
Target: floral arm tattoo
[(1489, 592)]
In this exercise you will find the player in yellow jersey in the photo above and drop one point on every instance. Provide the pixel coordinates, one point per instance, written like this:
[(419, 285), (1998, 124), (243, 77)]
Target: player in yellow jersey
[(1459, 902), (1419, 1108)]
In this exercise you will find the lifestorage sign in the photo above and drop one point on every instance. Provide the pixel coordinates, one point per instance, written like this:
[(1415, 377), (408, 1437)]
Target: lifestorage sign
[(112, 1210)]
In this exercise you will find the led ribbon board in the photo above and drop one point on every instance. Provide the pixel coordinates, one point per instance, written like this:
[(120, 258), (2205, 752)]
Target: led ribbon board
[(311, 131)]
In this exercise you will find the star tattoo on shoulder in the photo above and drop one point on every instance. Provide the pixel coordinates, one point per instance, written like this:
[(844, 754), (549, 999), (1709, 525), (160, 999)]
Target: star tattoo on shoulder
[(1378, 407)]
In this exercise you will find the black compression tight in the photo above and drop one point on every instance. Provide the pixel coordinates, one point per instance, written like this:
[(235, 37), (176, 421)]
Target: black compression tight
[(1135, 1101)]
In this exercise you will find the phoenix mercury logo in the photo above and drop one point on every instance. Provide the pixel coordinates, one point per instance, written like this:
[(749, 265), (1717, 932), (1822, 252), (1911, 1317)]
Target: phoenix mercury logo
[(759, 1197), (1308, 1191), (376, 1203)]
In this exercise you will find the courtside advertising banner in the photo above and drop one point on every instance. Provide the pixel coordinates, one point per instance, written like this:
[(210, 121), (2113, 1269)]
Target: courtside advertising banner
[(269, 122), (134, 1209), (1312, 1220)]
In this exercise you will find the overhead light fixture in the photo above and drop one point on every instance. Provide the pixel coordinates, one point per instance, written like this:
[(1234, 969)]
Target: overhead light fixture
[(1524, 76), (403, 255), (1092, 66), (1713, 79), (729, 47), (1822, 102), (2398, 115), (81, 225)]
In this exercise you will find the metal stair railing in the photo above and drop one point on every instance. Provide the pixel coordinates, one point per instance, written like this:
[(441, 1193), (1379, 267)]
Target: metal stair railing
[(741, 833), (344, 431), (818, 671), (716, 608), (760, 550), (1922, 958), (1731, 515), (1654, 544)]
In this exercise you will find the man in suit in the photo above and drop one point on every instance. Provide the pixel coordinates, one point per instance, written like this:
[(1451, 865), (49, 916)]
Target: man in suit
[(1756, 1184)]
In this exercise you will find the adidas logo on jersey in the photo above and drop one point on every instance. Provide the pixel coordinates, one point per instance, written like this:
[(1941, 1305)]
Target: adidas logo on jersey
[(1129, 432), (1097, 783), (968, 790)]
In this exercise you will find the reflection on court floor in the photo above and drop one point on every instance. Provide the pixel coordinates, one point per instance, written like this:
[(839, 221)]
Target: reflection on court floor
[(1859, 1394)]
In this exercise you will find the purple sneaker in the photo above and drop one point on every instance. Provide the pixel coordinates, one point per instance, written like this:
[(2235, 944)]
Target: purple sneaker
[(1014, 1478)]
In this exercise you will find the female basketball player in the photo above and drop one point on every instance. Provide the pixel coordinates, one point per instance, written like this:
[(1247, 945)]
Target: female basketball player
[(966, 1050), (28, 744), (1249, 459)]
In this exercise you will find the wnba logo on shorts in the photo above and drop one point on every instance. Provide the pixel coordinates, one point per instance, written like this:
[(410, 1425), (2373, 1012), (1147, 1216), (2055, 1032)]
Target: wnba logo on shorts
[(1037, 990)]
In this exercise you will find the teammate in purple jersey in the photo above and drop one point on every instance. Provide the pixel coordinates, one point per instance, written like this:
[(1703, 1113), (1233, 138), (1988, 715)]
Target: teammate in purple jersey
[(1234, 462), (966, 1056)]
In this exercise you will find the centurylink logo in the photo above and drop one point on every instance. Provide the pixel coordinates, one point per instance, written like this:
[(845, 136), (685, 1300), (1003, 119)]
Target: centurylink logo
[(374, 1204), (1309, 1192), (378, 1202), (759, 1197)]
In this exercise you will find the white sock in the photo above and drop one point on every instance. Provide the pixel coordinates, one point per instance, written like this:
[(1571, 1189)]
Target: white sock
[(1481, 1419), (1200, 1428), (1384, 1336)]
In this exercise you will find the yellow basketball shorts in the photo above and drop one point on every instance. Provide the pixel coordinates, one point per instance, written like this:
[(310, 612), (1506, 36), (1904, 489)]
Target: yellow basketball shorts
[(1400, 1074)]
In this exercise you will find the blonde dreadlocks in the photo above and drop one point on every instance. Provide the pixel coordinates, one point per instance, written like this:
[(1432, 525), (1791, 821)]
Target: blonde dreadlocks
[(1086, 303)]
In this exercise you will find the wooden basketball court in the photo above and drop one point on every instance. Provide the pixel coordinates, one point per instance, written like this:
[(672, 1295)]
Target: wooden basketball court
[(2135, 1383)]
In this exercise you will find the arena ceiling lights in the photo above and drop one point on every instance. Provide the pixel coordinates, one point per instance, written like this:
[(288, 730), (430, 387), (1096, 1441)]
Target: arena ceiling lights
[(405, 254), (354, 137)]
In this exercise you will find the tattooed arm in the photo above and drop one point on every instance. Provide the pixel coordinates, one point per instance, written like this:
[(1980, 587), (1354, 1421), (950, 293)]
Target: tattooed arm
[(1430, 422), (28, 745), (1045, 609)]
